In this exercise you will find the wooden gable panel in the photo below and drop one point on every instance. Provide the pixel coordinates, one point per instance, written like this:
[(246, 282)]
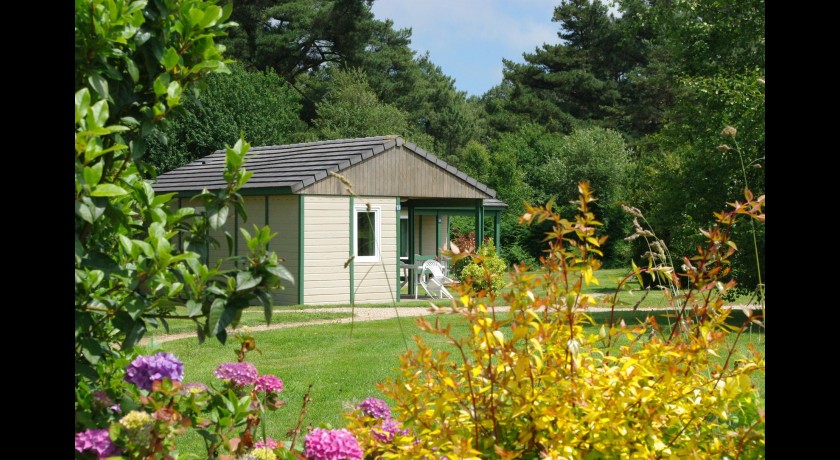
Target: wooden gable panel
[(398, 172)]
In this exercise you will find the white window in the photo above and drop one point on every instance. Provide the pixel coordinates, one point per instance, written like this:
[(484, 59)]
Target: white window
[(367, 228)]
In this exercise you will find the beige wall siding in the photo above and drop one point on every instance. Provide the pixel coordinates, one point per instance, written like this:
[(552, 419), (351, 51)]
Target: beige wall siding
[(283, 219), (398, 172), (427, 246), (376, 281), (326, 247)]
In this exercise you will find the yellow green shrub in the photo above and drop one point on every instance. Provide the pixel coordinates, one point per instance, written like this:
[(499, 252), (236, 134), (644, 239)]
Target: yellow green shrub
[(532, 384), (486, 270)]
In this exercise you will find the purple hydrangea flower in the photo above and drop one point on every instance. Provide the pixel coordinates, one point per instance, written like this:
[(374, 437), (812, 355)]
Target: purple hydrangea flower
[(268, 382), (375, 408), (241, 374), (386, 431), (147, 369), (98, 441), (332, 445), (267, 443)]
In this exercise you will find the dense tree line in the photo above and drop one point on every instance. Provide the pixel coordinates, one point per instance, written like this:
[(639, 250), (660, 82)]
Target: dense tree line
[(634, 102)]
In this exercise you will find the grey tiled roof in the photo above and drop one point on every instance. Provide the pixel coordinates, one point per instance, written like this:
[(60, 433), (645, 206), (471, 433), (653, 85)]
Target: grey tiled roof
[(494, 203), (296, 165)]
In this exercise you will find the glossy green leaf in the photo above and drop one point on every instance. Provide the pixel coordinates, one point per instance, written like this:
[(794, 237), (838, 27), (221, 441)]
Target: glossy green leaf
[(82, 103), (216, 310), (108, 190), (142, 36), (91, 349), (92, 174), (170, 58), (217, 216), (83, 211), (127, 245), (100, 85), (245, 280), (145, 247), (97, 117), (281, 272), (193, 308), (161, 83), (134, 335), (132, 69), (135, 305)]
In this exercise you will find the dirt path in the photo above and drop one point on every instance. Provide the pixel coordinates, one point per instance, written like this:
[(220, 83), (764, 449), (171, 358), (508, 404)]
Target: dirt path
[(367, 314)]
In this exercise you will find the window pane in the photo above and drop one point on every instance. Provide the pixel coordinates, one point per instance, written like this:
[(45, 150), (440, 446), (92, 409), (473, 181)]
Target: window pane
[(366, 237)]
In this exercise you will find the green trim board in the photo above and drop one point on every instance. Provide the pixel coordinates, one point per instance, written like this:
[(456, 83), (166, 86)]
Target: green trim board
[(437, 234), (420, 232), (479, 224), (411, 248), (265, 222), (497, 229), (352, 260), (399, 245), (301, 258), (180, 234)]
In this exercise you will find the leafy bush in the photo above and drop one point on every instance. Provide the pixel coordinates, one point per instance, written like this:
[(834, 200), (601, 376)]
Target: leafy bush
[(486, 271), (134, 61), (147, 407), (535, 386)]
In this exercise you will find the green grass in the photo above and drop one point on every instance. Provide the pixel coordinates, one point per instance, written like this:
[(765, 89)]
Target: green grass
[(342, 370), (250, 317), (631, 293)]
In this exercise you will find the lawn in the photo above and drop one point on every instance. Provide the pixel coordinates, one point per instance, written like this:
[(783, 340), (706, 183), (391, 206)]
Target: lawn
[(343, 370), (250, 317), (608, 279)]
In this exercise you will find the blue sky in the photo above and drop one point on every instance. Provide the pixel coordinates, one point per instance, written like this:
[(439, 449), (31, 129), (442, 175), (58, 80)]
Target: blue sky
[(469, 38)]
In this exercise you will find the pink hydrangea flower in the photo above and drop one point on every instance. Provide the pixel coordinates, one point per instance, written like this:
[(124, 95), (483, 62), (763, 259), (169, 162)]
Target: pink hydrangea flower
[(241, 374), (268, 383), (332, 445), (267, 443), (98, 441)]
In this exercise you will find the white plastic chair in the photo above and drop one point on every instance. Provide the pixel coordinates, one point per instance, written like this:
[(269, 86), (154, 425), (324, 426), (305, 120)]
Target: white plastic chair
[(434, 282)]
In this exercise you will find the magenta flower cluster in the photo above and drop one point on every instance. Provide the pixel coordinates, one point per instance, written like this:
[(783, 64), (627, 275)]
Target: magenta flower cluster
[(387, 430), (241, 374), (376, 408), (147, 369), (268, 383), (268, 443), (98, 441), (332, 445)]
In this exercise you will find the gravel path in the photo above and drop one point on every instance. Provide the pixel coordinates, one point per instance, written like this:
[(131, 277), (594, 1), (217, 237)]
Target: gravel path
[(369, 314)]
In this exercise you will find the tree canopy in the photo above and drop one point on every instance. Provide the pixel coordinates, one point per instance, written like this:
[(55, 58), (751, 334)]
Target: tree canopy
[(657, 81)]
